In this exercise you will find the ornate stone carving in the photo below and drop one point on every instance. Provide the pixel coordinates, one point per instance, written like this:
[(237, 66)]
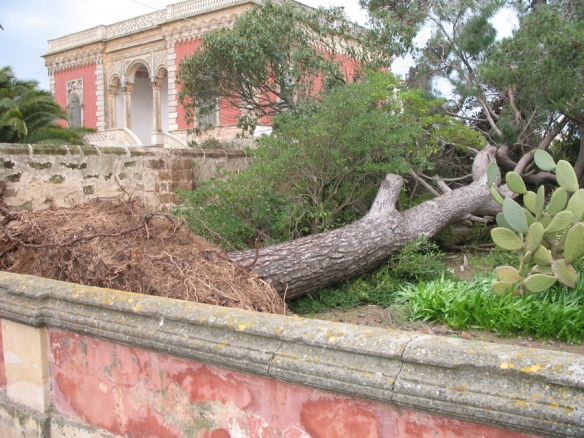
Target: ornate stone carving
[(74, 89), (75, 86)]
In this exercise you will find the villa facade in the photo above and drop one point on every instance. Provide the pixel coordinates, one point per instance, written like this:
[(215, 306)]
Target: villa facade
[(120, 78)]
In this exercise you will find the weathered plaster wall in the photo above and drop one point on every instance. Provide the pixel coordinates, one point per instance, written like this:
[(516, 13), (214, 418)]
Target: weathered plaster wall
[(38, 176), (125, 364), (130, 391)]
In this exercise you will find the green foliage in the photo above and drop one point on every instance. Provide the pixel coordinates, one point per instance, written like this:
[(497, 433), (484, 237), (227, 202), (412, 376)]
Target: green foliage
[(418, 261), (30, 115), (321, 167), (276, 57), (232, 213), (557, 313), (553, 239), (543, 61)]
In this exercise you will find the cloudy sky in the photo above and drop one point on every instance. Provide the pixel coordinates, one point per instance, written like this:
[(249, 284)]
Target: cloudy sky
[(28, 24)]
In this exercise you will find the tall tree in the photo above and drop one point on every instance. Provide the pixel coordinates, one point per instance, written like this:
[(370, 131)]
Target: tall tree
[(30, 115), (542, 67), (279, 55)]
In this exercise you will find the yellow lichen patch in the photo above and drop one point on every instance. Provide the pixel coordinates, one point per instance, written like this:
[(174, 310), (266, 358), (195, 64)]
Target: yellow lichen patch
[(459, 388), (221, 346), (137, 307), (241, 327), (535, 395), (558, 368), (522, 403), (278, 330), (531, 369), (554, 405), (569, 410), (332, 339), (131, 300), (505, 365)]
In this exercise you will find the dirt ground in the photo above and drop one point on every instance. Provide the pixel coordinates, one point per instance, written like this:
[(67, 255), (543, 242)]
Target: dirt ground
[(396, 317)]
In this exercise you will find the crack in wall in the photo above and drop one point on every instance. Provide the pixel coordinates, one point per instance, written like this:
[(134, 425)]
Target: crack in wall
[(401, 359), (274, 356)]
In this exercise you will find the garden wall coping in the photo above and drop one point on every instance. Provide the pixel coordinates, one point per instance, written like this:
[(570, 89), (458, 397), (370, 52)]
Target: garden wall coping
[(536, 391)]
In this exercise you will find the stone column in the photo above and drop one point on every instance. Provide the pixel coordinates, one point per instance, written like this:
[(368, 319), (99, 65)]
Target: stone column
[(112, 92), (157, 138), (127, 90)]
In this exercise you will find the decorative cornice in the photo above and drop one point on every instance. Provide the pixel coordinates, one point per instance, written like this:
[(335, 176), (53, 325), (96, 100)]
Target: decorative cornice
[(536, 391), (74, 58), (174, 12), (133, 44)]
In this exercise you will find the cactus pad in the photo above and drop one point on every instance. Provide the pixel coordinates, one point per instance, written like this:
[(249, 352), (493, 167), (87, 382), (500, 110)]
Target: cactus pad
[(515, 183), (492, 172), (496, 196), (566, 176), (529, 201), (534, 236), (506, 239), (500, 287), (576, 205), (542, 256), (560, 222), (558, 201), (574, 243), (515, 216), (508, 273), (544, 161), (536, 283), (565, 273)]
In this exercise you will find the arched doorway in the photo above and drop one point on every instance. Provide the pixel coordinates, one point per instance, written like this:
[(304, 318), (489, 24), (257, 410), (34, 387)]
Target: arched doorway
[(115, 104), (141, 103)]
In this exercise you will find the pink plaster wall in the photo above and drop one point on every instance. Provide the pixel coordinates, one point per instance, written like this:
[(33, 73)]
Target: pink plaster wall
[(181, 50), (132, 391), (2, 367), (89, 91)]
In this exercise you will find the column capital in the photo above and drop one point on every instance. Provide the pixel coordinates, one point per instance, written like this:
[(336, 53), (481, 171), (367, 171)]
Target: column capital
[(128, 87)]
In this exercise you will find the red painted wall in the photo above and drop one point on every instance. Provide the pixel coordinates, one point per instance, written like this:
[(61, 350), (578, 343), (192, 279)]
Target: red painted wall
[(89, 92), (2, 366), (181, 50), (130, 391)]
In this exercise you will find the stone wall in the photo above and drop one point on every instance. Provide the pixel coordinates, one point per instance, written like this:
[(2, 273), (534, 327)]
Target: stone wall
[(89, 362), (39, 176)]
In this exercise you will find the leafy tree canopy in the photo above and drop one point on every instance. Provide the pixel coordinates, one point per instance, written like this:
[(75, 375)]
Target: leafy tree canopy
[(30, 115)]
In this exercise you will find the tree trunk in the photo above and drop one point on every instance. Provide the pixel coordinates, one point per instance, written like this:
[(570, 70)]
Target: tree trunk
[(311, 263)]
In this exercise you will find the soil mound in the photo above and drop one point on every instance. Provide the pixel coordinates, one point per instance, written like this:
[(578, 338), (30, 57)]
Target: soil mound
[(121, 245)]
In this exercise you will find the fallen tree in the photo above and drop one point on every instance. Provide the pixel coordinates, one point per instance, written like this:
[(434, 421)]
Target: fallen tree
[(305, 265)]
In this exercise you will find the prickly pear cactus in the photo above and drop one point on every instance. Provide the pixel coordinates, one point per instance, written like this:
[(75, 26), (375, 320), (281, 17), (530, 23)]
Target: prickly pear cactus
[(548, 237)]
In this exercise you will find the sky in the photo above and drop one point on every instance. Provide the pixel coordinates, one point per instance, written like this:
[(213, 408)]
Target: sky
[(29, 24)]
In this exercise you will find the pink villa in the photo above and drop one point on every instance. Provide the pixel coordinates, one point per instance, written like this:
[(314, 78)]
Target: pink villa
[(120, 78)]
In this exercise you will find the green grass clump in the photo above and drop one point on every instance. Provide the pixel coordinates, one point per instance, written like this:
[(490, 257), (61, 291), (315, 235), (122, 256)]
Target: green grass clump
[(376, 289), (557, 313)]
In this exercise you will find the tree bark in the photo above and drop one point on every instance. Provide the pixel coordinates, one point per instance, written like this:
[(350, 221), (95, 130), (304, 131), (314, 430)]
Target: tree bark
[(311, 263)]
